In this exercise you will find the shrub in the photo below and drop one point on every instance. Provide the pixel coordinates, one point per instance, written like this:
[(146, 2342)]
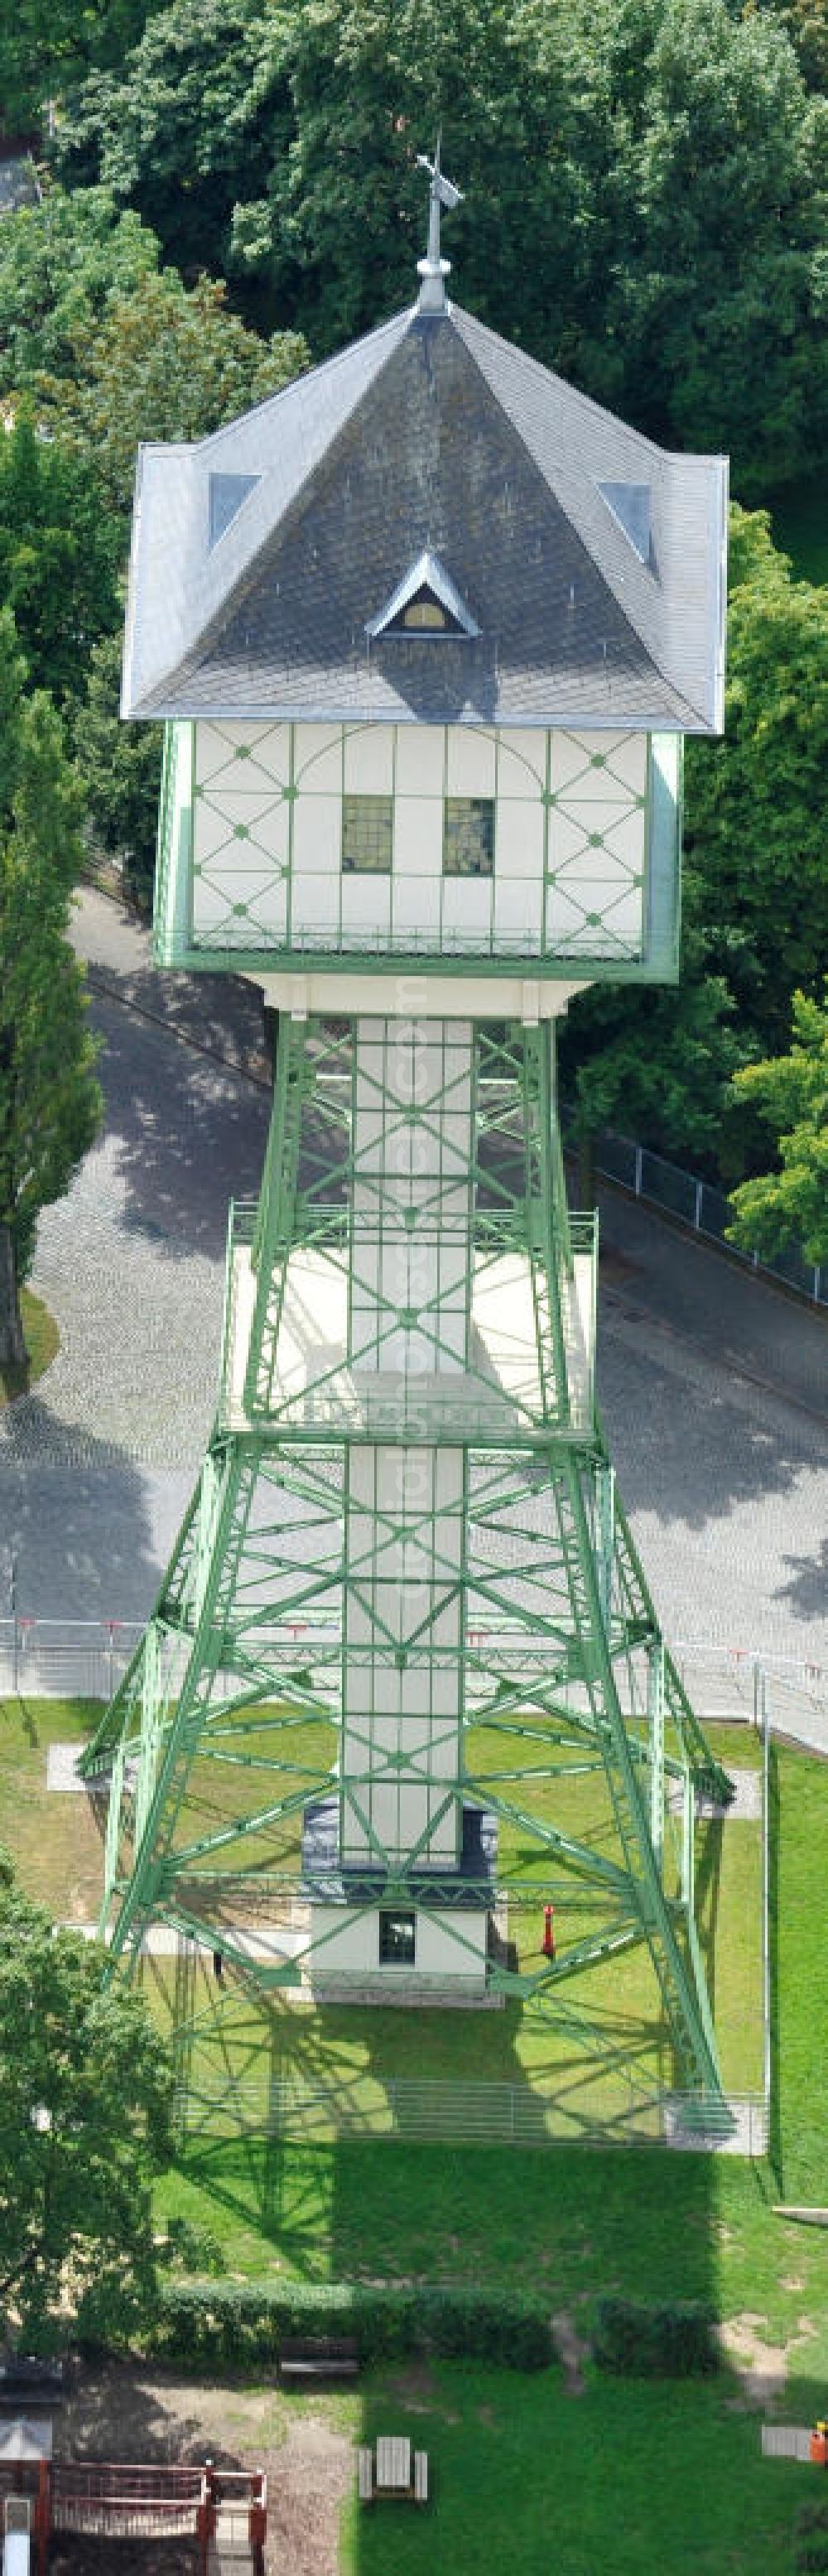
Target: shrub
[(650, 2342), (245, 2322)]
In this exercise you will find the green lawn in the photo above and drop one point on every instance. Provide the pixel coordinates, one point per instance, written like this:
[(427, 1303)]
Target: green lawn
[(42, 1341), (526, 2476), (571, 2220), (799, 524), (526, 2479)]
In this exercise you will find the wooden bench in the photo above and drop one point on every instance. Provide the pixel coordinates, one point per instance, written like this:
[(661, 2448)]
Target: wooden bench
[(318, 2357)]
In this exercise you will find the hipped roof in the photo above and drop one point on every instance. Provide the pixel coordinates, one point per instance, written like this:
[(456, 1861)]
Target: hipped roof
[(433, 435)]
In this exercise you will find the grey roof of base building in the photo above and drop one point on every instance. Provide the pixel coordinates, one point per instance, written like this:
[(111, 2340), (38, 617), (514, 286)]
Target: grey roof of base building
[(591, 561)]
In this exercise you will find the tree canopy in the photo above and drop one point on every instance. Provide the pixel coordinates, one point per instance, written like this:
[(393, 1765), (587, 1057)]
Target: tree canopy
[(59, 554), (666, 164), (162, 363), (757, 801), (49, 1097), (85, 2093), (59, 264), (790, 1205)]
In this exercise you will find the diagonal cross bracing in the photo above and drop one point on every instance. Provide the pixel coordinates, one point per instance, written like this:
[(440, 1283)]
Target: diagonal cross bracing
[(405, 1562)]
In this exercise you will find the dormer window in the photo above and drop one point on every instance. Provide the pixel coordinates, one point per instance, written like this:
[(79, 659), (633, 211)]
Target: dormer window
[(425, 614), (426, 603)]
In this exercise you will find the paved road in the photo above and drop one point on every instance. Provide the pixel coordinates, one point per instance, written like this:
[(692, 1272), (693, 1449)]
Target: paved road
[(714, 1386)]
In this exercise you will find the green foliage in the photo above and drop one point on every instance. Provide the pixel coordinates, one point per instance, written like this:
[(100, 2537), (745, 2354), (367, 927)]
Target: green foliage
[(199, 112), (757, 802), (790, 1206), (49, 1098), (658, 1063), (233, 2322), (58, 555), (720, 276), (49, 43), (193, 2247), (811, 2532), (665, 2342), (59, 263), (163, 364), (666, 164), (120, 765), (84, 2124), (676, 1066)]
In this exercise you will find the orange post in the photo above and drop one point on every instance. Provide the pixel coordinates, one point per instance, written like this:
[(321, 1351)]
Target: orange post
[(548, 1932)]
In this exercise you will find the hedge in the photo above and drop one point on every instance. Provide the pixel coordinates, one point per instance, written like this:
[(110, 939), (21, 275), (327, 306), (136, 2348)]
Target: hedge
[(243, 2322), (675, 2342)]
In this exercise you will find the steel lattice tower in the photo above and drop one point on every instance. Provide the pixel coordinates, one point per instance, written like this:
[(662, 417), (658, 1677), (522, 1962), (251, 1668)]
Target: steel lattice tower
[(404, 1647)]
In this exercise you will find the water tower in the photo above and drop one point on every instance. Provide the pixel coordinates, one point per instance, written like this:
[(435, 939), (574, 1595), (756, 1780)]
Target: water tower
[(426, 631)]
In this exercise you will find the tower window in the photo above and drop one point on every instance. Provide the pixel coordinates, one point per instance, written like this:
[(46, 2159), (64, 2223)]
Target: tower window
[(397, 1940), (367, 832), (468, 836)]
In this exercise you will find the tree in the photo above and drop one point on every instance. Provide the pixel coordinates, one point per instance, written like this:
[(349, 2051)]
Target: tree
[(199, 109), (757, 802), (790, 1206), (85, 2095), (49, 43), (646, 206), (49, 1098), (59, 553), (755, 890), (719, 281), (59, 263), (120, 765), (163, 364), (657, 1063)]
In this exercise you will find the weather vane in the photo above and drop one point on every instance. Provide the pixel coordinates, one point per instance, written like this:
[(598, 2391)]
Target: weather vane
[(433, 269)]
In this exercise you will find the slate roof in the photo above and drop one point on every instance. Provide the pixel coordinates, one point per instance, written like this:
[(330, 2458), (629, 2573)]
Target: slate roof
[(430, 435)]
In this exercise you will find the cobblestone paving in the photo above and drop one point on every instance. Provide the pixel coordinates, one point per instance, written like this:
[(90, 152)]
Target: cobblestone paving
[(714, 1388)]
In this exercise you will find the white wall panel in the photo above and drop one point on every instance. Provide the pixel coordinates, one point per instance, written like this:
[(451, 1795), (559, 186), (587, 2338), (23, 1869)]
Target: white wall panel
[(521, 764), (418, 836), (470, 763), (420, 760), (369, 761), (317, 756), (519, 839), (317, 836)]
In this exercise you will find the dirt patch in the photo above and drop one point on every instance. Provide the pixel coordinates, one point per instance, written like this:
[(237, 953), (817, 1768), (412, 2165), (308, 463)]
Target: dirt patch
[(303, 2446), (572, 2351), (315, 2470), (761, 2368)]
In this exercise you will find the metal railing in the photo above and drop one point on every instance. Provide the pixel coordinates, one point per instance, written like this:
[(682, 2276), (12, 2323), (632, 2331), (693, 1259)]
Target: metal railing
[(422, 2108), (693, 1203)]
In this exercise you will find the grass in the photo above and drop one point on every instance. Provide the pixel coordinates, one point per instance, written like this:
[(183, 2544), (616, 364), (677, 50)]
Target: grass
[(799, 524), (42, 1342), (55, 1840), (572, 2220), (629, 2476)]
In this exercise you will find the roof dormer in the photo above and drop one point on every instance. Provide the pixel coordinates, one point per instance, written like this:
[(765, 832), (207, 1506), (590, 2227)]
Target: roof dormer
[(425, 603)]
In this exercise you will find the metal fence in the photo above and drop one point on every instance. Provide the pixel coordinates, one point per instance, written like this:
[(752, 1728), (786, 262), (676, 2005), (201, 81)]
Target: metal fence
[(419, 2109), (65, 1658), (693, 1203), (86, 1658)]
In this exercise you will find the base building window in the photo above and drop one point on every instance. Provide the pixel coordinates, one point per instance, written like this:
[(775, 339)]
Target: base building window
[(397, 1935)]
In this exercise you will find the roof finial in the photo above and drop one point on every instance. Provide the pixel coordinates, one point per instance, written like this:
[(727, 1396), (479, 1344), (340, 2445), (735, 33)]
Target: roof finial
[(433, 269)]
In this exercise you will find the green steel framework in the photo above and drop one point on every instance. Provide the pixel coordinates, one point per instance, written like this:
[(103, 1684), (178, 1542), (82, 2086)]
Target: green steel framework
[(229, 1720)]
